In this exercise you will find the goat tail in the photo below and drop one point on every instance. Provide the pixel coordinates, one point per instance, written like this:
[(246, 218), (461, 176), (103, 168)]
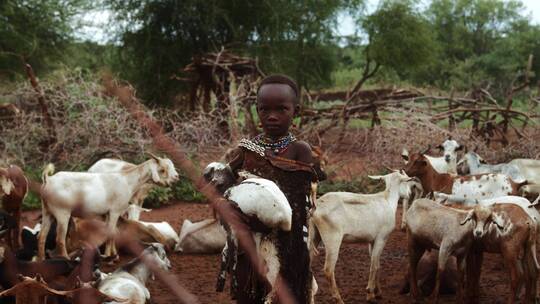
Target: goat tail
[(314, 238), (48, 171)]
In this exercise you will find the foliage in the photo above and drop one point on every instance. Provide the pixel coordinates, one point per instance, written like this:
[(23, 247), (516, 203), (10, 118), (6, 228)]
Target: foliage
[(399, 37), (480, 43), (182, 190), (356, 185), (34, 31), (294, 37)]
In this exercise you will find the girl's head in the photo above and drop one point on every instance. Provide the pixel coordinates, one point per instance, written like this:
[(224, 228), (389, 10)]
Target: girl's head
[(277, 104)]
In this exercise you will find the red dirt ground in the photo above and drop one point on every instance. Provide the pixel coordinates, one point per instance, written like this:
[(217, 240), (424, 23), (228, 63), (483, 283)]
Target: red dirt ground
[(198, 273)]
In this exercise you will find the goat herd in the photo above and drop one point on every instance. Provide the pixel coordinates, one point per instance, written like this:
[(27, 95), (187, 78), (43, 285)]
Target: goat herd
[(486, 211)]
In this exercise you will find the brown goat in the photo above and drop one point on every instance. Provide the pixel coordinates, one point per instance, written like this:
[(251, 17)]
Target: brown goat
[(13, 189), (516, 242)]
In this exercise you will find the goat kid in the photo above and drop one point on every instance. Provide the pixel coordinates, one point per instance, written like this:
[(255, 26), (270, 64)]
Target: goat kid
[(356, 218), (129, 281)]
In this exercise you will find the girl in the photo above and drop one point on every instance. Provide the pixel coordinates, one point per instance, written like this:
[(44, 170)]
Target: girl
[(278, 156)]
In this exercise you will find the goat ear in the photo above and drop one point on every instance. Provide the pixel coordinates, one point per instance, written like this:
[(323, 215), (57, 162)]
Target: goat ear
[(440, 147), (497, 220), (153, 156), (155, 174), (468, 217), (376, 177), (459, 148), (6, 185), (405, 155)]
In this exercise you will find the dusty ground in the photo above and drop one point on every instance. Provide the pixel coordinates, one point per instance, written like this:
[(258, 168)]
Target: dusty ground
[(198, 272)]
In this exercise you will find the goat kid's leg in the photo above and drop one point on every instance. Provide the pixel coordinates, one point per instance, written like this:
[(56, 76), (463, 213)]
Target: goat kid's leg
[(332, 244), (46, 221), (376, 251)]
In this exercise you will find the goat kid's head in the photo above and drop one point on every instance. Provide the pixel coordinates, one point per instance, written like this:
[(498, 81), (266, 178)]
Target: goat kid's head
[(220, 176), (165, 172), (417, 165), (482, 217), (156, 253), (393, 179), (450, 148), (6, 185)]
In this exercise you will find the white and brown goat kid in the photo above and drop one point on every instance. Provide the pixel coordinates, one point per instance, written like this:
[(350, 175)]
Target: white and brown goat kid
[(464, 188), (451, 231), (93, 194), (356, 218)]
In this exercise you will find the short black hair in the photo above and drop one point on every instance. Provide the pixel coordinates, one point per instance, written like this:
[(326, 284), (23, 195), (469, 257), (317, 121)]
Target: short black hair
[(281, 79)]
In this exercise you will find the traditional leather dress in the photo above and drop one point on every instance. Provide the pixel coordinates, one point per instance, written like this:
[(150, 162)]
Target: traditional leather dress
[(294, 179)]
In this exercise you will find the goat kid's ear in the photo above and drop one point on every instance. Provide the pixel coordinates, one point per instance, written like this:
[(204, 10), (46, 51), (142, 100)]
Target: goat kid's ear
[(459, 148), (468, 217), (497, 220)]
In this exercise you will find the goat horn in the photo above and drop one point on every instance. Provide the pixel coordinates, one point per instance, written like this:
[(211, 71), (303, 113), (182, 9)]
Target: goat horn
[(152, 155)]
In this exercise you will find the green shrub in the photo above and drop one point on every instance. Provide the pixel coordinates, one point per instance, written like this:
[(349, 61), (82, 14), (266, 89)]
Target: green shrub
[(183, 190), (358, 185)]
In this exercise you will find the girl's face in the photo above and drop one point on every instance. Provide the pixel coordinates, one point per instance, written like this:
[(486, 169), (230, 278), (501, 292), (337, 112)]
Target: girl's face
[(276, 108)]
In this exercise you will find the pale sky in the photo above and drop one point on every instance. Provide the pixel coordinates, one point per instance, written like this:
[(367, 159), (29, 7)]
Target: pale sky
[(347, 25), (96, 30)]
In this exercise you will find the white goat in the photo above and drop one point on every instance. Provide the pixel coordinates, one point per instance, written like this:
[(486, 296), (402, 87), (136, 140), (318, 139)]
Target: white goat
[(444, 164), (108, 165), (206, 236), (476, 166), (434, 226), (356, 218), (129, 281), (93, 194)]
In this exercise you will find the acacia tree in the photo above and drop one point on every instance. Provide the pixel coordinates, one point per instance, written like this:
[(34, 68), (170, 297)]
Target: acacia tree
[(476, 38), (398, 38), (160, 37), (34, 31)]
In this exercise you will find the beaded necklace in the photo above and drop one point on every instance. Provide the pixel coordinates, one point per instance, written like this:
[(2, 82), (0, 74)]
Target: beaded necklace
[(276, 146)]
